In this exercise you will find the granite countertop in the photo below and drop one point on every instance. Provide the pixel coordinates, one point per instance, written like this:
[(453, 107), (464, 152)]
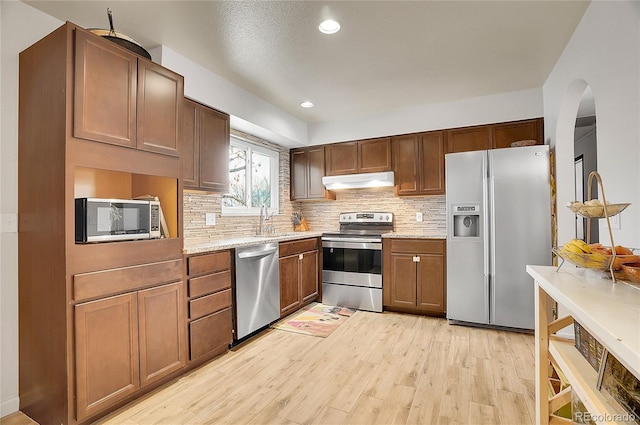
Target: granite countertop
[(433, 234), (221, 244)]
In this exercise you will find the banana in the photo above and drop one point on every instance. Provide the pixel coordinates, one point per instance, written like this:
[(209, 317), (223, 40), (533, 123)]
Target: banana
[(582, 245), (571, 247)]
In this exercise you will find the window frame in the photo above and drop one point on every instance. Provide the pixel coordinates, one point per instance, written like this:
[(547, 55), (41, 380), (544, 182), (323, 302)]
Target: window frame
[(274, 155)]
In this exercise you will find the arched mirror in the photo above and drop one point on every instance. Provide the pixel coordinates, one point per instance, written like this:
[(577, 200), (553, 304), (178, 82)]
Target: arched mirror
[(585, 160)]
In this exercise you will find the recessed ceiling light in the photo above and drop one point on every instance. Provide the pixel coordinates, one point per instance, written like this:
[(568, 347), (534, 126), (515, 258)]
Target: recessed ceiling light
[(329, 26), (307, 104)]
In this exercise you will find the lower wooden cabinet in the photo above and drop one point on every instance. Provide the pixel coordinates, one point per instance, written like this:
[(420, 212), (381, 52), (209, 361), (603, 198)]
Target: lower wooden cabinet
[(414, 276), (209, 305), (299, 274), (210, 334), (161, 330), (126, 342)]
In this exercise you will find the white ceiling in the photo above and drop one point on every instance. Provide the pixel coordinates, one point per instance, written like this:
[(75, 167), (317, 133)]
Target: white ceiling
[(388, 55)]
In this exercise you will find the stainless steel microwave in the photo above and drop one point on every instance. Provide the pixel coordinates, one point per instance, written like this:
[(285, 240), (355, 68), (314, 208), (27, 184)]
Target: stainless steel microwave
[(104, 220)]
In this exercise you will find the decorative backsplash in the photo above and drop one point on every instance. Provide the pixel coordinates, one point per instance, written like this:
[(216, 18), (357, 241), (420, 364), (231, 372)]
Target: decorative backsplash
[(321, 215)]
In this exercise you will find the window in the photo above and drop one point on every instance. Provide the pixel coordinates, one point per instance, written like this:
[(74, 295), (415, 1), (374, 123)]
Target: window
[(253, 179)]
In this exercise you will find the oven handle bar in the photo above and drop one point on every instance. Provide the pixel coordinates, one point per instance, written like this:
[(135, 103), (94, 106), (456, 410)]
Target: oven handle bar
[(352, 243)]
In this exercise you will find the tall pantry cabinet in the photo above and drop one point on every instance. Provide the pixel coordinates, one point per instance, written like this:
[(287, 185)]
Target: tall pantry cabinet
[(99, 323)]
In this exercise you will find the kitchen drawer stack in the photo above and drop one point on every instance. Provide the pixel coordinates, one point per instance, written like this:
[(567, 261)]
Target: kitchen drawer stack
[(210, 313)]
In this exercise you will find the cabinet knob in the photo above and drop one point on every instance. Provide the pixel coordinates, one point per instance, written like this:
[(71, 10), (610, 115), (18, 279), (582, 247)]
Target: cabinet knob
[(300, 256), (416, 259)]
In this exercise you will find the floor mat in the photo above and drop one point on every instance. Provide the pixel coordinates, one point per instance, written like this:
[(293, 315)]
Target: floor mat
[(316, 320)]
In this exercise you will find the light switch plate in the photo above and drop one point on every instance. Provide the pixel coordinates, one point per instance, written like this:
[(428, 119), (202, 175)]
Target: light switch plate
[(9, 223), (418, 216), (210, 219)]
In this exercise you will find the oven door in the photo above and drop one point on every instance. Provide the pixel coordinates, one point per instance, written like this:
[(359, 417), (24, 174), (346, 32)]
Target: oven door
[(352, 261)]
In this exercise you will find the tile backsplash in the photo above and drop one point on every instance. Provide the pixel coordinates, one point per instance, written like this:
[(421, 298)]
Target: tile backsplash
[(321, 215)]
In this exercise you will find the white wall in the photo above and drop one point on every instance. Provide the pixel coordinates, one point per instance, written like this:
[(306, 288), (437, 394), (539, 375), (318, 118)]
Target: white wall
[(20, 26), (249, 113), (604, 52), (475, 111)]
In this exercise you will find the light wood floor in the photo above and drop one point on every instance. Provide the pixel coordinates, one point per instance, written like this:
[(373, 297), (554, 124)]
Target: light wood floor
[(375, 369)]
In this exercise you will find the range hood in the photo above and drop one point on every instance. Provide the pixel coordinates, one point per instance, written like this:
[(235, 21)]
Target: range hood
[(358, 181)]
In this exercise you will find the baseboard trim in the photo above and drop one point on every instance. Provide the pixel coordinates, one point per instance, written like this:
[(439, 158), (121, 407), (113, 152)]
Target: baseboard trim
[(10, 406)]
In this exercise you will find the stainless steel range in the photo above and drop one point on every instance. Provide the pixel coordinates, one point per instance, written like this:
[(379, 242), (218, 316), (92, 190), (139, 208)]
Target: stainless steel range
[(352, 261)]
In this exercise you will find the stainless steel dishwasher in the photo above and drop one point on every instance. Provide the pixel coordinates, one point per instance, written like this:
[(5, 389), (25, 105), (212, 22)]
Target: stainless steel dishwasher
[(257, 288)]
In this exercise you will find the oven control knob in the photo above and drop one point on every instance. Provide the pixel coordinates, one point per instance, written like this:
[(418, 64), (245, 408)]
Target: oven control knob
[(387, 217)]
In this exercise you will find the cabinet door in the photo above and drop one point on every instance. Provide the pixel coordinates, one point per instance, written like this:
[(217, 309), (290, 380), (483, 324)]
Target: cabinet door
[(104, 91), (289, 284), (214, 150), (106, 353), (190, 145), (432, 163), (160, 97), (315, 173), (431, 296), (308, 276), (211, 334), (502, 135), (400, 289), (298, 158), (162, 328), (374, 155), (406, 161), (468, 139), (341, 158)]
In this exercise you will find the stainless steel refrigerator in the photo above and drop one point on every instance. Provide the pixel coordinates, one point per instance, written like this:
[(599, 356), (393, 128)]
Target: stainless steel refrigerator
[(498, 221)]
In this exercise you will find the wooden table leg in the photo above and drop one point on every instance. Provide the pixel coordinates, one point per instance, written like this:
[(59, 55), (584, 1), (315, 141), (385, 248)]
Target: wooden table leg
[(542, 356)]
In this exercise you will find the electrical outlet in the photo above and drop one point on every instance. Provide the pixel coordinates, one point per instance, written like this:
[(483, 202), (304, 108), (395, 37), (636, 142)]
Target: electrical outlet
[(615, 221), (418, 216), (210, 219)]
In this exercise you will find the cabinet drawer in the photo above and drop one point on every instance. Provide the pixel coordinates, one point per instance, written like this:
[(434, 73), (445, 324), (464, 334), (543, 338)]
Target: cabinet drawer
[(209, 283), (296, 247), (210, 333), (209, 304), (208, 263), (427, 246), (106, 282)]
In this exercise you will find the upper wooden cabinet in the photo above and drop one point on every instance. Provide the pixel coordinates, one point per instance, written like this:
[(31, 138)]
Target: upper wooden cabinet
[(307, 171), (341, 158), (205, 138), (494, 136), (160, 94), (123, 99), (418, 163), (502, 135), (374, 155), (362, 156), (468, 139)]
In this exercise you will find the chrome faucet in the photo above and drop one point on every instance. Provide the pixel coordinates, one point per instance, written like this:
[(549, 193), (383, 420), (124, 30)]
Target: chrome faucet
[(264, 216)]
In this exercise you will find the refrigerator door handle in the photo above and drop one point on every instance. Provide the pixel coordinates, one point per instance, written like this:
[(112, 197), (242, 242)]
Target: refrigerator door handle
[(486, 214), (492, 244)]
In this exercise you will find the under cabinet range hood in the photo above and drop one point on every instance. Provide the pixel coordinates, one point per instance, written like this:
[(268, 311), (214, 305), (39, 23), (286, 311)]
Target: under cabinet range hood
[(358, 181)]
